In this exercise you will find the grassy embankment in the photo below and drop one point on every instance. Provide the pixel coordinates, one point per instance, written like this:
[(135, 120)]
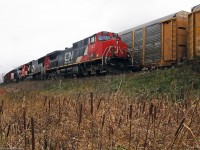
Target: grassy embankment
[(155, 110)]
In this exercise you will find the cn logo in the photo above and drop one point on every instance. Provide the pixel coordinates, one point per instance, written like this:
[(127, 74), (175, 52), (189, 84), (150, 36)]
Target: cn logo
[(69, 56)]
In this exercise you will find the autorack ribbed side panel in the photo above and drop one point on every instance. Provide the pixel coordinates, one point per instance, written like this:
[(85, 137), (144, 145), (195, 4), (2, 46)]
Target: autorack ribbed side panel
[(138, 47), (127, 38), (153, 44)]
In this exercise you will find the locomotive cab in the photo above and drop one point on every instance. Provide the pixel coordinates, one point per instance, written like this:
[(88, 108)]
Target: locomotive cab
[(106, 44), (109, 48)]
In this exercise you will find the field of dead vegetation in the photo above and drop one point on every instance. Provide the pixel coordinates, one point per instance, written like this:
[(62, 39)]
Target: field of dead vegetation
[(151, 110)]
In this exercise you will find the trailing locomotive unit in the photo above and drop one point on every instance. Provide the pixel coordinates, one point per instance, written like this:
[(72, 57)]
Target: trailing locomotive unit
[(194, 33), (19, 73), (161, 42), (93, 55)]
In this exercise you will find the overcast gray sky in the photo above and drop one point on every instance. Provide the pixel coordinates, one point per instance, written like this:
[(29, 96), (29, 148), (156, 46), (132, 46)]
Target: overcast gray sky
[(30, 29)]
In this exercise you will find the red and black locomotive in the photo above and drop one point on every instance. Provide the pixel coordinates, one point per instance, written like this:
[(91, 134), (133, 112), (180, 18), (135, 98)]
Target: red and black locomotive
[(99, 53)]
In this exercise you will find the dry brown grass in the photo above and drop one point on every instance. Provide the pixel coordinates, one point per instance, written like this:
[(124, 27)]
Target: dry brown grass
[(96, 121)]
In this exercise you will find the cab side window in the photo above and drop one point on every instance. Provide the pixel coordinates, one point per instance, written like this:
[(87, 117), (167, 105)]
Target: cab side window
[(92, 39)]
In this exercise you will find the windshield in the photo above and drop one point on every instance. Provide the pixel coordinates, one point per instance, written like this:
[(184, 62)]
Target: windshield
[(104, 37)]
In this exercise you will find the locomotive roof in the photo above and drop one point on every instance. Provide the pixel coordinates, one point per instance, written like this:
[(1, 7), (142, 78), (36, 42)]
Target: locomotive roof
[(180, 13), (54, 52)]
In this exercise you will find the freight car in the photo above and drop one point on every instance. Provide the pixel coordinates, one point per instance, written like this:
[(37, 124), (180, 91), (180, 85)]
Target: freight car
[(99, 53), (194, 33), (161, 42)]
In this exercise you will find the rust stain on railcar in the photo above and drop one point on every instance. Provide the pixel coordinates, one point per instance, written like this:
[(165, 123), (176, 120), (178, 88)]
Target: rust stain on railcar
[(197, 21), (198, 40), (198, 31), (190, 37), (197, 34)]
